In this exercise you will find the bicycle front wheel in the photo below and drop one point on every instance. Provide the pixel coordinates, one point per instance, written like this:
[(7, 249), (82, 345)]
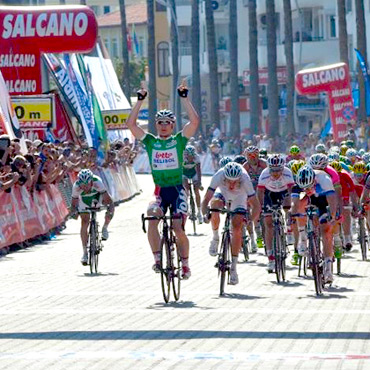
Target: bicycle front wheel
[(277, 253), (93, 248), (362, 238), (166, 269), (176, 272), (223, 261), (316, 264)]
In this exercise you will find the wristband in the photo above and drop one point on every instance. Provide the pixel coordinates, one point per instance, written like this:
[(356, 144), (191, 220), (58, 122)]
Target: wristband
[(140, 96), (183, 93)]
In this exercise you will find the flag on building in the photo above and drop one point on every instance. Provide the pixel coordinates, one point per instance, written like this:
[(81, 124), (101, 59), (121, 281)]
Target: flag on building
[(363, 67), (136, 42)]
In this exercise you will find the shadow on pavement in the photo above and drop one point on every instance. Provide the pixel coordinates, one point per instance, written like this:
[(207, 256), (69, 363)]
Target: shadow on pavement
[(344, 275), (287, 283), (180, 334), (240, 296), (179, 304), (87, 274)]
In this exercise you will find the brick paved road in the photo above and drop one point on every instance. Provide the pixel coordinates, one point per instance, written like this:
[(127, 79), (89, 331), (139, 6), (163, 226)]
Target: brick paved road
[(54, 315)]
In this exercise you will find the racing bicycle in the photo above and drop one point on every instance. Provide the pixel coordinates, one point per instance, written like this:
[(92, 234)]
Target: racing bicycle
[(170, 262), (95, 245)]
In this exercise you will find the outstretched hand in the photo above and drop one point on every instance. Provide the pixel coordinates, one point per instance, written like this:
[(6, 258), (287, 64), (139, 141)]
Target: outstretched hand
[(183, 90), (142, 92)]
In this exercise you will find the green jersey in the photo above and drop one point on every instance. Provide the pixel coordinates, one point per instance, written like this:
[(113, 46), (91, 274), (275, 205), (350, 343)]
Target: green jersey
[(166, 158)]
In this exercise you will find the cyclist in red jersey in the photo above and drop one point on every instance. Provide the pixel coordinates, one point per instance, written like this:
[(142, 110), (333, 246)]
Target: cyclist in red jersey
[(348, 195)]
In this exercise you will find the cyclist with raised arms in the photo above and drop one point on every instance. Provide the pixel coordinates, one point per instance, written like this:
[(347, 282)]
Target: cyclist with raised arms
[(319, 190), (254, 166), (235, 187), (88, 191), (165, 153), (274, 188), (192, 171)]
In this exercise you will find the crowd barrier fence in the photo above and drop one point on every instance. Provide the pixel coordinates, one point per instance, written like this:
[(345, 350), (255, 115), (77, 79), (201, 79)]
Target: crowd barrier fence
[(25, 215)]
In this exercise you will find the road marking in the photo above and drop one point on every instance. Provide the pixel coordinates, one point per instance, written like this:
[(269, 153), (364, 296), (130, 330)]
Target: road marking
[(176, 309), (179, 355)]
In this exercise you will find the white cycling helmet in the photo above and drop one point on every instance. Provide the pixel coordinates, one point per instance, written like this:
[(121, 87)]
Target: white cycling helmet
[(190, 150), (305, 177), (333, 156), (275, 161), (252, 149), (320, 148), (224, 161), (233, 171), (366, 157), (318, 161), (165, 115), (85, 176), (351, 153)]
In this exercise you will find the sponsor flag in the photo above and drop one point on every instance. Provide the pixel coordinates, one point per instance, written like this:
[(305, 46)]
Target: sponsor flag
[(8, 118), (98, 118), (134, 37), (363, 67), (129, 42), (85, 108)]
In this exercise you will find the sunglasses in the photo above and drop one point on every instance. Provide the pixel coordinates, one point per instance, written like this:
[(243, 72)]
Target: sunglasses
[(275, 170), (164, 123)]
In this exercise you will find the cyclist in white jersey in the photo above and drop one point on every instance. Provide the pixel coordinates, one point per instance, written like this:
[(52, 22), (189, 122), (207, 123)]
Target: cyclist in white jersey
[(235, 187), (89, 191), (274, 188)]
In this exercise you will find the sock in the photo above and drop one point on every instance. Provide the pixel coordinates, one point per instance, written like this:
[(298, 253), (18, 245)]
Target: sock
[(302, 234), (337, 239), (347, 239), (234, 261), (157, 257), (185, 261), (215, 234)]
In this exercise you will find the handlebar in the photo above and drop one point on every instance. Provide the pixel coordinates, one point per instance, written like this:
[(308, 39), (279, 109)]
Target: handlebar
[(157, 218), (225, 210)]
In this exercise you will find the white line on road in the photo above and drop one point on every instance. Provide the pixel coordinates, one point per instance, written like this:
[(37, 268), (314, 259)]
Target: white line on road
[(179, 355)]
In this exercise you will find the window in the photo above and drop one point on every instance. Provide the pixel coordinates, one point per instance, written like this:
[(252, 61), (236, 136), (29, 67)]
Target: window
[(141, 46), (331, 26), (348, 6), (106, 9), (310, 22), (163, 53), (185, 40), (106, 44), (114, 48)]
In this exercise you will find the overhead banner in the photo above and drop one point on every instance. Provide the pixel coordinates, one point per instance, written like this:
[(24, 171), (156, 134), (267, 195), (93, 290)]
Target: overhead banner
[(334, 80), (28, 31), (36, 112)]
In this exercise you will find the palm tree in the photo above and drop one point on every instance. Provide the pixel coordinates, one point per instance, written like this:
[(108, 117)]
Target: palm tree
[(195, 58), (125, 56), (253, 66), (288, 47), (213, 65), (62, 2), (272, 88), (176, 104), (234, 82), (361, 46), (83, 2), (152, 66), (343, 36)]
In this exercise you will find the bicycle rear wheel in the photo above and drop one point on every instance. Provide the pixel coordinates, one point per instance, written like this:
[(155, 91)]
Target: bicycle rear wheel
[(166, 269), (362, 238), (245, 243), (176, 271), (193, 215), (93, 259), (223, 261)]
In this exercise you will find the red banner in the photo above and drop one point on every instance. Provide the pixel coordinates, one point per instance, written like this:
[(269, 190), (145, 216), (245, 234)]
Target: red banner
[(26, 32), (335, 81)]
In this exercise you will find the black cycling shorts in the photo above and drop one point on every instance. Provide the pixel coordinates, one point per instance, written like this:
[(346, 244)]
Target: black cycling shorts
[(173, 198)]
